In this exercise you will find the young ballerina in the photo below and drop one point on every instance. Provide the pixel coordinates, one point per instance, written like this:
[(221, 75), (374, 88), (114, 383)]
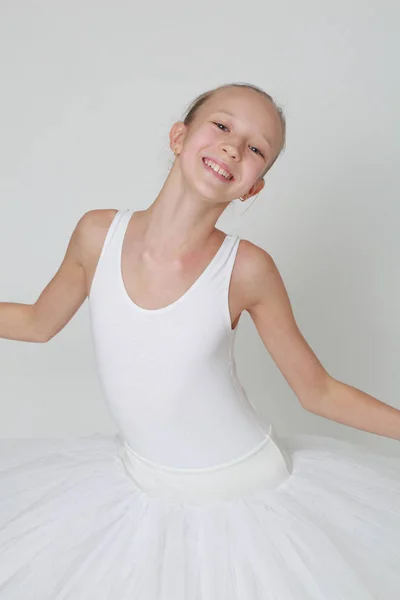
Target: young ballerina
[(196, 498)]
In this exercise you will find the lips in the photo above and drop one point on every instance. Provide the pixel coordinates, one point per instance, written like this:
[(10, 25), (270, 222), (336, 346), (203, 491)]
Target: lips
[(221, 164)]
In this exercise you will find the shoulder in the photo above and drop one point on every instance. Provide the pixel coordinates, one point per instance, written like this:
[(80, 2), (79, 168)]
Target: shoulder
[(96, 219), (91, 230), (256, 273)]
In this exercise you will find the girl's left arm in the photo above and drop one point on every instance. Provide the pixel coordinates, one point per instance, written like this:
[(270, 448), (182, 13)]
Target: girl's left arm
[(350, 406), (318, 392)]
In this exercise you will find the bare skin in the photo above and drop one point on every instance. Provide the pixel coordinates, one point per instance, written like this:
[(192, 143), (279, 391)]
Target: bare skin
[(164, 284), (168, 246), (254, 277)]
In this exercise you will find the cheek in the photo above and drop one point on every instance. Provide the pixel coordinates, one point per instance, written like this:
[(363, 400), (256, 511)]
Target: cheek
[(190, 157), (202, 142), (205, 137), (195, 148)]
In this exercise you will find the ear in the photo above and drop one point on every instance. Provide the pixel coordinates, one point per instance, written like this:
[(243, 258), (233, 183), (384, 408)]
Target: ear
[(176, 136), (255, 189)]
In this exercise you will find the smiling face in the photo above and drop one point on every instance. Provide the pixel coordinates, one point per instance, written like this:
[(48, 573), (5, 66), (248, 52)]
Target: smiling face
[(240, 130)]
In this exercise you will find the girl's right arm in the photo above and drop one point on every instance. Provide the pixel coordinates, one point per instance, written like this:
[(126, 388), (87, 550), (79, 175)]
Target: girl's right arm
[(59, 300)]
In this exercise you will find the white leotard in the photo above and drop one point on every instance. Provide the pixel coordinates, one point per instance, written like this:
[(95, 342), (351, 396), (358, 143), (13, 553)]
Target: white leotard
[(169, 374)]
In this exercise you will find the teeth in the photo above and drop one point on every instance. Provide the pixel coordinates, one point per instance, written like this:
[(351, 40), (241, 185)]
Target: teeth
[(218, 169)]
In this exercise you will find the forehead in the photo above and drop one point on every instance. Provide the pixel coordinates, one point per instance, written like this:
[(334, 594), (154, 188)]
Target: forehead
[(249, 108)]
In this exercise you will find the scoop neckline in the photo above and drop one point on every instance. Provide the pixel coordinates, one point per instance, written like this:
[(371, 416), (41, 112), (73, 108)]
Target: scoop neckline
[(181, 298)]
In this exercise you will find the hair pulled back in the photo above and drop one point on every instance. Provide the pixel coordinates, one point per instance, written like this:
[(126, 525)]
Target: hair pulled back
[(194, 106)]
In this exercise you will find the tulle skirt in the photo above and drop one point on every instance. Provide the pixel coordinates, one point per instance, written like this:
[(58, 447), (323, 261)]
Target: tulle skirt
[(302, 517)]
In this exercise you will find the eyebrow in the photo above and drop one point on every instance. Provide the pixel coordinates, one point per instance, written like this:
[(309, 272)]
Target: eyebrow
[(232, 115)]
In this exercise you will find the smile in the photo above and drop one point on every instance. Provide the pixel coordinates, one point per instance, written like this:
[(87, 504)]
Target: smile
[(221, 173)]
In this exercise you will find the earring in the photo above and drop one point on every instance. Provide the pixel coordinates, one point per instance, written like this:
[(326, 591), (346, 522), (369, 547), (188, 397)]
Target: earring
[(250, 205)]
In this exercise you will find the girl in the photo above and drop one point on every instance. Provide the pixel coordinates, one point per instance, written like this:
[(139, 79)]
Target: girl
[(196, 498)]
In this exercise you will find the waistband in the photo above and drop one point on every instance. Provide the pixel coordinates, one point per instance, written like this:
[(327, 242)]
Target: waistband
[(265, 467)]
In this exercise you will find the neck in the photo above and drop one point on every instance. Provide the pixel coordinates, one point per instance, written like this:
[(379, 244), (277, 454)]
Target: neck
[(179, 219)]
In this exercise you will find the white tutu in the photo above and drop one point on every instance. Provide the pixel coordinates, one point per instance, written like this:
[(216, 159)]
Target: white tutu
[(74, 525)]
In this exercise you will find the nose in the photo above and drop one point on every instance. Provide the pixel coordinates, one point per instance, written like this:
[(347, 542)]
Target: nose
[(232, 148)]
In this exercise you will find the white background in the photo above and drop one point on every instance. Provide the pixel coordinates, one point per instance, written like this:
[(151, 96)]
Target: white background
[(89, 91)]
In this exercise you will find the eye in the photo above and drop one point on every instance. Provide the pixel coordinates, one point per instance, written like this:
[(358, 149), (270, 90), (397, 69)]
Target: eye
[(257, 151), (218, 124)]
